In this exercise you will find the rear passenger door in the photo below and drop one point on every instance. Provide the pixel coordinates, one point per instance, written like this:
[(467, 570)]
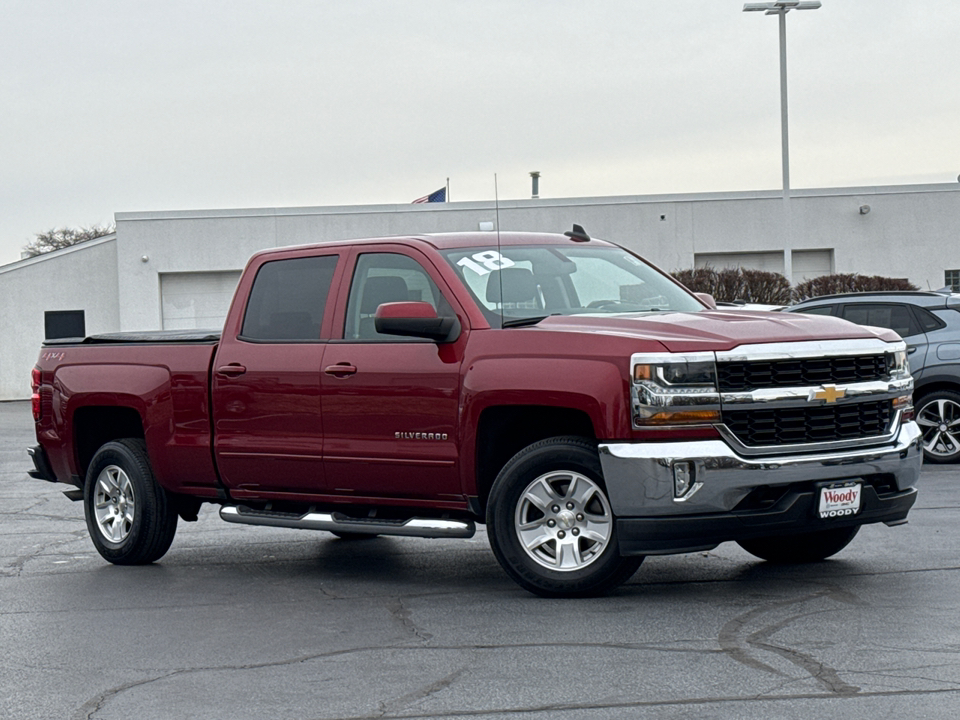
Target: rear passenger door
[(268, 434), (898, 317)]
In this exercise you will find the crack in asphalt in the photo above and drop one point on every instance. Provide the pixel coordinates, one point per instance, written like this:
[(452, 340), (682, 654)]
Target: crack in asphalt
[(41, 516), (627, 705), (734, 644), (402, 615), (412, 698), (89, 709), (96, 703), (826, 676), (905, 674), (15, 569)]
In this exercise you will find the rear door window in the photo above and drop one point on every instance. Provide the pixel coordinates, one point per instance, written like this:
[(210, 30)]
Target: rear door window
[(892, 316), (820, 310), (288, 300)]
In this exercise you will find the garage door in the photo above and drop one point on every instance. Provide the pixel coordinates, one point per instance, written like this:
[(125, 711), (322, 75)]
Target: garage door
[(808, 264), (196, 300)]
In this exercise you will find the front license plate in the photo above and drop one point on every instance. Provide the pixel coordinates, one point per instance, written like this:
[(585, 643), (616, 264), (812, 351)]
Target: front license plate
[(840, 500)]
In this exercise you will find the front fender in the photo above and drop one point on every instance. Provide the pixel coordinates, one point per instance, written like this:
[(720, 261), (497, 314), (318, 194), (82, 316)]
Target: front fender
[(595, 387)]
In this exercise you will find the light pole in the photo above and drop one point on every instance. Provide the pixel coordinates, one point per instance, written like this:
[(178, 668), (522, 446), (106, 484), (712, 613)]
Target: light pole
[(781, 8)]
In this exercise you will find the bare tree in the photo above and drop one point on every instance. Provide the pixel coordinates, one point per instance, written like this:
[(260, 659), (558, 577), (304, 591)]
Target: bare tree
[(59, 238), (743, 284), (849, 283)]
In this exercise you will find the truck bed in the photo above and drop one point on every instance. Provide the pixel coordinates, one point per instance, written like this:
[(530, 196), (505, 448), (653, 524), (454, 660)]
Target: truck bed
[(178, 337)]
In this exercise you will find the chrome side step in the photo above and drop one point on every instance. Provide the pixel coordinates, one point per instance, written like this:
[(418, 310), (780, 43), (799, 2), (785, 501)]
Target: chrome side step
[(337, 522)]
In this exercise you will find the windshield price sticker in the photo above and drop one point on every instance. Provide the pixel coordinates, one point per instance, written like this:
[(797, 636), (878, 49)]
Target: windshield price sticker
[(483, 263), (840, 500)]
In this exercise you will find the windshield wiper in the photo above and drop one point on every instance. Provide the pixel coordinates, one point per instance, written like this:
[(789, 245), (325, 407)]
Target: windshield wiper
[(523, 322)]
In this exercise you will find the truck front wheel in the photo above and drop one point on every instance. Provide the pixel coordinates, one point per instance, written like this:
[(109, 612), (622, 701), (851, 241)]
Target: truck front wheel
[(801, 548), (550, 523), (129, 516)]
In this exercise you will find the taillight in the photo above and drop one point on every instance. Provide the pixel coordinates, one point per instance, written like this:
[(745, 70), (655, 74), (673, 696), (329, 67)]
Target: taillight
[(35, 397)]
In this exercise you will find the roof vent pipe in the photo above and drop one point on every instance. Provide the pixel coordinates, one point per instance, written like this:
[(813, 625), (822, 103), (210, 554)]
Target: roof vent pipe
[(535, 176)]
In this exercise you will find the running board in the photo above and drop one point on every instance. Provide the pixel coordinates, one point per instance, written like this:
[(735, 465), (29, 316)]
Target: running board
[(338, 522)]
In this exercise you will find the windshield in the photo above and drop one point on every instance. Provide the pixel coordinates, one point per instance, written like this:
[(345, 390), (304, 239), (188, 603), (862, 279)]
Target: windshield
[(534, 281)]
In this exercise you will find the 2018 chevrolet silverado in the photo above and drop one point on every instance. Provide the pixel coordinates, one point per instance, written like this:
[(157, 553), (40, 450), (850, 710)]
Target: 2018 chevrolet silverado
[(558, 388)]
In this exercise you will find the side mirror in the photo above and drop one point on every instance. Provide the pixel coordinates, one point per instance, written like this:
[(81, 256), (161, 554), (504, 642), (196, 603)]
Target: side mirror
[(707, 299), (415, 319)]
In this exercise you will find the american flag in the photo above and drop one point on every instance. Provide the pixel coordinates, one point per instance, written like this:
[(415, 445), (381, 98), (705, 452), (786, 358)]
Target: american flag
[(436, 196)]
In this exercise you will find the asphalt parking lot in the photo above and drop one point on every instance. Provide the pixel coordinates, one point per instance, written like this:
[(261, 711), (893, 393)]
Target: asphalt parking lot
[(242, 622)]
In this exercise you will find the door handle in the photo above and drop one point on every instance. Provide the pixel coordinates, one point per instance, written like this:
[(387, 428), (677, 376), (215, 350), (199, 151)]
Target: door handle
[(340, 370), (231, 370), (911, 349)]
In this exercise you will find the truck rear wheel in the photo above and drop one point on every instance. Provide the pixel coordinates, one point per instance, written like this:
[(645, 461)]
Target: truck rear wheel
[(801, 548), (130, 517), (550, 523)]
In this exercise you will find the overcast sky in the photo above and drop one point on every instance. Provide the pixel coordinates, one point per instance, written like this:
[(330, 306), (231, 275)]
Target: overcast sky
[(110, 106)]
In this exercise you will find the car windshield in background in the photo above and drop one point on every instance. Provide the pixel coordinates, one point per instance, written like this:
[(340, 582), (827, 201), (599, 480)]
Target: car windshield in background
[(518, 283)]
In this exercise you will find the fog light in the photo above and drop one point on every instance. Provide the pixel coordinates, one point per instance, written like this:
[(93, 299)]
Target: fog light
[(682, 479)]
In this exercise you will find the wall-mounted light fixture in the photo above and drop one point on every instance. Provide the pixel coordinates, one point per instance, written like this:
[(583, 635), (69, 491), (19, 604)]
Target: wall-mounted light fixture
[(864, 209)]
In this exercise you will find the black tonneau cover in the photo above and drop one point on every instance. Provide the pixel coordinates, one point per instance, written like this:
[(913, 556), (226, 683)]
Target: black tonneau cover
[(177, 337)]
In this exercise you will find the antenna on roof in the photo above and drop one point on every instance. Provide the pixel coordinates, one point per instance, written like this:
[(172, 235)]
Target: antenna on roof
[(578, 234), (496, 205)]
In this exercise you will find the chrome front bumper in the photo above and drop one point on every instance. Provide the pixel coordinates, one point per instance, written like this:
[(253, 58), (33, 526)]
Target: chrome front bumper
[(640, 476)]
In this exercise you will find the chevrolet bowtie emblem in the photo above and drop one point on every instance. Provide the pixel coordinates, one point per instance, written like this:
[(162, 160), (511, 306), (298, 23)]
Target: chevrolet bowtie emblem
[(827, 393)]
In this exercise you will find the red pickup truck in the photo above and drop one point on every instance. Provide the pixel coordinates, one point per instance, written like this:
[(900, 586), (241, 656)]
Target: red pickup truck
[(558, 388)]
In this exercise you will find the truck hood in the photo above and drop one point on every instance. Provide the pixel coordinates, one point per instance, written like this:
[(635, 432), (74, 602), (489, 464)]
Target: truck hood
[(716, 330)]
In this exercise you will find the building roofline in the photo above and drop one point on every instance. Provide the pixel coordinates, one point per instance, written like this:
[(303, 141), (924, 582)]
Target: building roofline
[(25, 262), (531, 203)]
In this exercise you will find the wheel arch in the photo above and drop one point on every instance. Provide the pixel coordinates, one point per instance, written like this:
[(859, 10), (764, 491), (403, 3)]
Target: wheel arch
[(96, 425), (936, 383), (504, 430)]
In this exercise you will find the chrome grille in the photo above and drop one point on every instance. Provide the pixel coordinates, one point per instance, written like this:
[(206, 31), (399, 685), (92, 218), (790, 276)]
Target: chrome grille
[(754, 375)]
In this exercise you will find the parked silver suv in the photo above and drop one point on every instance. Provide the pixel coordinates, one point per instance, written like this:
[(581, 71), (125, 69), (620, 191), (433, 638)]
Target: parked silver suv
[(930, 324)]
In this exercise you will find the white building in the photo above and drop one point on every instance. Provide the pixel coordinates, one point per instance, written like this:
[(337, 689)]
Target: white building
[(178, 269)]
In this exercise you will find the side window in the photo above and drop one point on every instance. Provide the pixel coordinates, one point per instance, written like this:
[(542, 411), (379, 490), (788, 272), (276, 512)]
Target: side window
[(894, 317), (928, 321), (383, 278), (287, 300), (821, 310)]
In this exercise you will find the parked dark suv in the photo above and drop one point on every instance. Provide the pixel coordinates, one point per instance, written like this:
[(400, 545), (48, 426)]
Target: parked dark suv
[(930, 324)]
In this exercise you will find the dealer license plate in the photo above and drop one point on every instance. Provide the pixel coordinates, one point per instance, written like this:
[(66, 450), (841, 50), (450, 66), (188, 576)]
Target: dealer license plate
[(840, 500)]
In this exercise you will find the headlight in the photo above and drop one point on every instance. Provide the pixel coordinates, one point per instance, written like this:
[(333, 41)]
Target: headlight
[(897, 363), (685, 373), (674, 389), (898, 366)]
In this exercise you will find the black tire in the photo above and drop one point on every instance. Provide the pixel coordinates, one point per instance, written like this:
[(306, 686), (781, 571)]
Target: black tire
[(565, 470), (801, 548), (938, 415), (130, 517)]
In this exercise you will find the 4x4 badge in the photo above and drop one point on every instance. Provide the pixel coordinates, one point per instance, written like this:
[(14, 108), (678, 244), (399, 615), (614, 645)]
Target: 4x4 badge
[(827, 393)]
